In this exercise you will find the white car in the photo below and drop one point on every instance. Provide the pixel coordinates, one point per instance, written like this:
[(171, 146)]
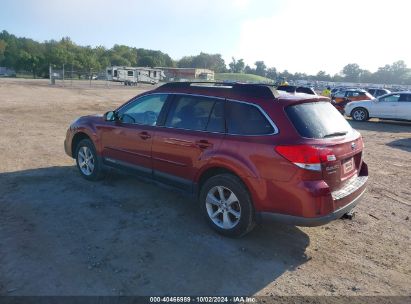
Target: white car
[(395, 106)]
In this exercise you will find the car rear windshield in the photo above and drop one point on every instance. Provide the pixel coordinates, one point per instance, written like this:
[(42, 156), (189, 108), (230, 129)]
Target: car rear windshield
[(317, 120)]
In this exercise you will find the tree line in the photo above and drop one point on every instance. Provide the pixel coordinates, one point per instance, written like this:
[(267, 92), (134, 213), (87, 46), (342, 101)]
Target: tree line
[(24, 54)]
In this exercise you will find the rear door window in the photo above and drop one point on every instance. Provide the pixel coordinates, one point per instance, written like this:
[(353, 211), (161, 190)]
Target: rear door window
[(390, 98), (246, 119), (196, 113), (317, 120)]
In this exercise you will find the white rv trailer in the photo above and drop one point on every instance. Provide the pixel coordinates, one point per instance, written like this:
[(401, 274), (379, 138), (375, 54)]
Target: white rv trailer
[(134, 75)]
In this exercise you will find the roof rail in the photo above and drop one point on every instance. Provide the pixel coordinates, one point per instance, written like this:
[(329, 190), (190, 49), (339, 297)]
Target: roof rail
[(258, 90)]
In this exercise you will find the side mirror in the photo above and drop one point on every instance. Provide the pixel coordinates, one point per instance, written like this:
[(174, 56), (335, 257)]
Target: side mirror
[(110, 116)]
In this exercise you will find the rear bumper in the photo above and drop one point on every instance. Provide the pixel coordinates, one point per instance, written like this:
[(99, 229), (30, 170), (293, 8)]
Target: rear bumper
[(311, 222)]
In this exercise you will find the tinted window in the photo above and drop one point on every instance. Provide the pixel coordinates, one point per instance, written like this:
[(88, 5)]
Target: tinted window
[(216, 122), (405, 97), (305, 90), (244, 119), (193, 113), (352, 93), (317, 120), (144, 110), (390, 98), (129, 73), (287, 88)]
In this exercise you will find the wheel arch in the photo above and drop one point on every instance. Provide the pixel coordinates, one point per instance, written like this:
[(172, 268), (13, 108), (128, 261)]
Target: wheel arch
[(214, 170), (79, 136)]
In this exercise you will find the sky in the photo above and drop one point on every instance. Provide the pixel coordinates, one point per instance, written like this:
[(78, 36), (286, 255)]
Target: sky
[(297, 35)]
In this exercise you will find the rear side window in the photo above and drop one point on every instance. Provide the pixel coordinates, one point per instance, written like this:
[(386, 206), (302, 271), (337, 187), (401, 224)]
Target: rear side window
[(390, 98), (245, 119), (317, 120), (405, 97), (196, 113)]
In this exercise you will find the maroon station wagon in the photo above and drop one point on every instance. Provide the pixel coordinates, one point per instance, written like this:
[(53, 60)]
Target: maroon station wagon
[(244, 151)]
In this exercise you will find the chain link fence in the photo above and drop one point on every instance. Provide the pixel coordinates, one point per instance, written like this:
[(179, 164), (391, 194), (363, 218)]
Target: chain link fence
[(70, 76)]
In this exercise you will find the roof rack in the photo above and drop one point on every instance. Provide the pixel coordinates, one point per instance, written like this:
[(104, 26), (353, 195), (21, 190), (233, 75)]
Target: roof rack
[(258, 90)]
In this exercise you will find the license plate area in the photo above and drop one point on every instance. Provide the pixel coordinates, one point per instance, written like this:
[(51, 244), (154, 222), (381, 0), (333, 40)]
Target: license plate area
[(348, 166)]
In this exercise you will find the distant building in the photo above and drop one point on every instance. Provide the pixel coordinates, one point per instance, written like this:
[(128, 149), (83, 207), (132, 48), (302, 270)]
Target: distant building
[(173, 74)]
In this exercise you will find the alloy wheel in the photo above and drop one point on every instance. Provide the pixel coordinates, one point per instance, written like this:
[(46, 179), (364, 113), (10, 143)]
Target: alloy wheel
[(223, 207), (85, 160), (359, 115)]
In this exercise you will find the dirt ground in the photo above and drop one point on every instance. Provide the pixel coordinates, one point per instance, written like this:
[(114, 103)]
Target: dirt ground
[(62, 235)]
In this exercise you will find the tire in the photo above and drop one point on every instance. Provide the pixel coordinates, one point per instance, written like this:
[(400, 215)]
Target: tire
[(233, 219), (359, 114), (87, 161)]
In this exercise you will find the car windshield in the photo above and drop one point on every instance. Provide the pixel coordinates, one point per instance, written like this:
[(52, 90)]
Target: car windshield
[(317, 120)]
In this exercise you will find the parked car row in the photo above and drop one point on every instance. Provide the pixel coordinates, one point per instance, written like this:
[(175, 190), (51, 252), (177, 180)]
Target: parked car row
[(372, 103), (342, 97), (395, 106)]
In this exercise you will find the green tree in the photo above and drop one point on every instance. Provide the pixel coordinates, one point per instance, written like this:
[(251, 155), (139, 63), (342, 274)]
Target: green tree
[(322, 76), (366, 76), (249, 70), (260, 68), (204, 61), (399, 72), (237, 66), (3, 45), (146, 61), (185, 62), (351, 72), (272, 73)]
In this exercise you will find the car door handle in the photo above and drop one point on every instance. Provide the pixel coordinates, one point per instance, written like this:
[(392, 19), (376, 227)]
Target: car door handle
[(203, 144), (144, 135)]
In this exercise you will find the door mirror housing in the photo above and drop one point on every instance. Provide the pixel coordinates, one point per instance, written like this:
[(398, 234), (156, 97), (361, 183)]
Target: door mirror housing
[(110, 116)]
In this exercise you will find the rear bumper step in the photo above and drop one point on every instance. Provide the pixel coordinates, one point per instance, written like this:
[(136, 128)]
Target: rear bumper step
[(310, 222), (350, 187)]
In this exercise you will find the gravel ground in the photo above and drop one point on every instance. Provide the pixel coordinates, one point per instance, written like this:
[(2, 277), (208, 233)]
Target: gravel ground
[(62, 235)]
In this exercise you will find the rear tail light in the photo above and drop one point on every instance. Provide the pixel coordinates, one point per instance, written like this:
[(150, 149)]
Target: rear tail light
[(306, 156)]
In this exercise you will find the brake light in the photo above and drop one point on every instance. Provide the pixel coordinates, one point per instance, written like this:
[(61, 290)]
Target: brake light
[(306, 156)]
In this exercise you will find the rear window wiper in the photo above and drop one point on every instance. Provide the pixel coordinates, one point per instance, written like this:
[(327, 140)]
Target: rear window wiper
[(335, 134)]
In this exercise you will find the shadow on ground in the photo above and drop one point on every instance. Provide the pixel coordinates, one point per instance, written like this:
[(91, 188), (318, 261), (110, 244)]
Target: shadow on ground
[(382, 126), (403, 144), (63, 235)]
